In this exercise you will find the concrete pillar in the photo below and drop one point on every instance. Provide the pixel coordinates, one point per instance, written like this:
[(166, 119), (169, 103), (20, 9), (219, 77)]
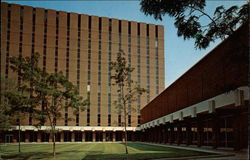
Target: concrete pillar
[(39, 136), (93, 136), (179, 134), (171, 134), (104, 136), (236, 133), (62, 136), (133, 136), (72, 136), (166, 134), (26, 136), (200, 133), (188, 134), (113, 136), (159, 135), (83, 136), (215, 131)]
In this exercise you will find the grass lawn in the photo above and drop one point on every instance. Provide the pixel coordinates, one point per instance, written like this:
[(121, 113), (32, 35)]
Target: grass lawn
[(108, 151)]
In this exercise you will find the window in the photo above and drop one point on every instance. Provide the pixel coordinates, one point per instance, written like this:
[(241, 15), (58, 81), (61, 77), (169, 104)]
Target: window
[(119, 120), (109, 120), (147, 30), (120, 26), (129, 27), (77, 119), (156, 31), (139, 120), (90, 21), (30, 120), (138, 28), (66, 119), (129, 120), (100, 23), (99, 120)]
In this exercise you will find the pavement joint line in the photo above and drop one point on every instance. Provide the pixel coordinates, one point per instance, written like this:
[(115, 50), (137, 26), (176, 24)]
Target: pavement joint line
[(221, 153)]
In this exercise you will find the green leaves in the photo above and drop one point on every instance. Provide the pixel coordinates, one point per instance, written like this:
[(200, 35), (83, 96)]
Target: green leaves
[(121, 75), (188, 14), (52, 91)]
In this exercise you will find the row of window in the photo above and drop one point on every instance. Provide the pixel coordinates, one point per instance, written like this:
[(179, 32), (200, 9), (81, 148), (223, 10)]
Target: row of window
[(89, 21)]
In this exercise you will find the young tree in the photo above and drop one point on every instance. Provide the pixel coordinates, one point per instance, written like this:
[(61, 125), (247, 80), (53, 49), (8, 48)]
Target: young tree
[(126, 90), (189, 19), (15, 103), (53, 91)]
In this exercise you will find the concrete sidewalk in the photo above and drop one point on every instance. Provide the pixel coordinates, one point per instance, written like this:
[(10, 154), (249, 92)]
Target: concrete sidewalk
[(222, 153)]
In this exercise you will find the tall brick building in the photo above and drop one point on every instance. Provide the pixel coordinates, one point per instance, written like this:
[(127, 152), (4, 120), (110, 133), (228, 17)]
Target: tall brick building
[(83, 46)]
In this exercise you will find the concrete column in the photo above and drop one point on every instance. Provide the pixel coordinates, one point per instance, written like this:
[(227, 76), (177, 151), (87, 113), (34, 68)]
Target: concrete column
[(93, 136), (159, 135), (171, 134), (26, 136), (83, 136), (72, 136), (179, 134), (236, 133), (188, 134), (133, 136), (62, 136), (113, 136), (104, 136), (166, 134), (39, 136), (215, 131), (200, 133)]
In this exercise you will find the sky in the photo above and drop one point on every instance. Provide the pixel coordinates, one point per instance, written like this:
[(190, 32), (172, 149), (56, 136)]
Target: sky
[(180, 55)]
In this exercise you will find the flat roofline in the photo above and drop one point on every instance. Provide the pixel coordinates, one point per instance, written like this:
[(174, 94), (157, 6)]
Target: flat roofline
[(83, 14)]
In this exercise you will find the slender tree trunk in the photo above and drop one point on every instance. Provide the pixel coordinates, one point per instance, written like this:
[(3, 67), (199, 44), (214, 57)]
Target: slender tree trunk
[(19, 136), (125, 129), (54, 141), (125, 119)]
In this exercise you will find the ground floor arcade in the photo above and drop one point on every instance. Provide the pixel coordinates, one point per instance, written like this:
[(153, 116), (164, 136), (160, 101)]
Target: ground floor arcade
[(66, 136), (224, 128)]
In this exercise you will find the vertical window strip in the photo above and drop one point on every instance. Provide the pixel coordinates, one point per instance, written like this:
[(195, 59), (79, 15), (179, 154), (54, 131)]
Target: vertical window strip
[(129, 62), (68, 39), (67, 59), (120, 35), (20, 40), (79, 51), (8, 42), (32, 52), (56, 45), (78, 63), (99, 64), (148, 64), (33, 30), (89, 67), (109, 69), (157, 59), (45, 39), (138, 66)]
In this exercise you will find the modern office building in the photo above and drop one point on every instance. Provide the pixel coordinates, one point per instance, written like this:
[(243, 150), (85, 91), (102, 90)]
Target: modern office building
[(82, 47), (209, 104)]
